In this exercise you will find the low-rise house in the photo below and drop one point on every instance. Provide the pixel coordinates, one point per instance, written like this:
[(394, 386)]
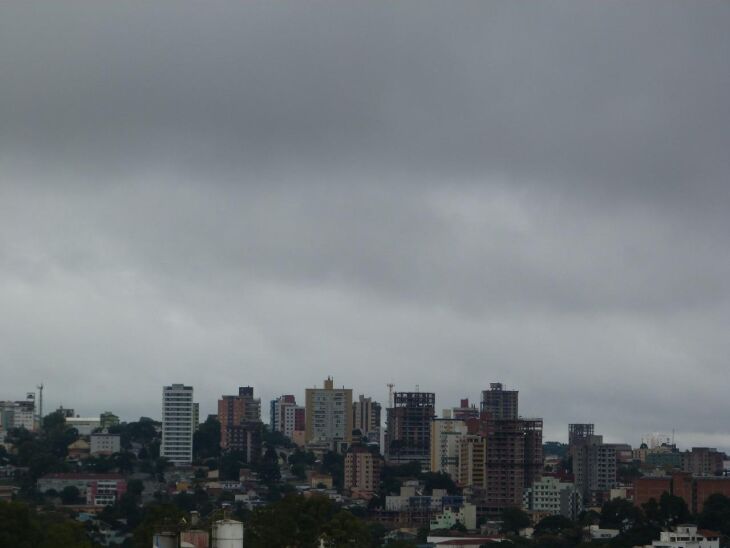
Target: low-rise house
[(78, 450), (687, 536), (465, 515), (318, 480), (104, 443), (7, 492), (596, 533), (462, 542), (97, 489)]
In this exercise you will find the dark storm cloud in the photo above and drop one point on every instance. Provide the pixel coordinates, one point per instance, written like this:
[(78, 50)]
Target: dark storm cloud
[(268, 193)]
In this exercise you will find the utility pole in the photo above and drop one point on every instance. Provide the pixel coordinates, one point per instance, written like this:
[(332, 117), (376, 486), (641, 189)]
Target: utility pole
[(40, 404)]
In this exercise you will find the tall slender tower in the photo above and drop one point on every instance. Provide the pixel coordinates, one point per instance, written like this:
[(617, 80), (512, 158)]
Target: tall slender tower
[(40, 405), (178, 416)]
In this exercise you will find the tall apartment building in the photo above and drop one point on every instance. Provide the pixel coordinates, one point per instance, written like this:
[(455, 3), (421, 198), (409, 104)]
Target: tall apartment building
[(703, 461), (294, 421), (362, 472), (286, 416), (408, 435), (275, 413), (472, 462), (196, 417), (241, 427), (177, 424), (594, 467), (18, 414), (328, 415), (446, 432), (500, 403), (241, 407), (514, 456), (552, 496), (577, 434), (366, 418)]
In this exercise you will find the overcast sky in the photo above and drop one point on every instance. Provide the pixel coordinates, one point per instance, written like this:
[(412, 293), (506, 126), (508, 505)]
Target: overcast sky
[(439, 194)]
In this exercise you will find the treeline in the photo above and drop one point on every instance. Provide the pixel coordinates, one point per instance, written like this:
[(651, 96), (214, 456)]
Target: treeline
[(636, 526), (22, 527)]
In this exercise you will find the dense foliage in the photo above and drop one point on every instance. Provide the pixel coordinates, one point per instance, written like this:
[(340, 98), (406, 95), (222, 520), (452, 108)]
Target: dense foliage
[(23, 527)]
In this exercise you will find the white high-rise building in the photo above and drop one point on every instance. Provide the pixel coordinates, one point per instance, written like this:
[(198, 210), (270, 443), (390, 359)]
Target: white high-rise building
[(178, 417)]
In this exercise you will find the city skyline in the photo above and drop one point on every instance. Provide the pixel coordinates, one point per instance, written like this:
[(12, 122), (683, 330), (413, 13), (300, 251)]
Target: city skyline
[(553, 432), (269, 194)]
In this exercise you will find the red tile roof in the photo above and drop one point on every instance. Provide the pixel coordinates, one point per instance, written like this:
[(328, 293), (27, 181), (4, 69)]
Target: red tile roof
[(82, 476)]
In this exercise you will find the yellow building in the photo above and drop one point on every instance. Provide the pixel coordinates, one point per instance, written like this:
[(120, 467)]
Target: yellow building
[(472, 459)]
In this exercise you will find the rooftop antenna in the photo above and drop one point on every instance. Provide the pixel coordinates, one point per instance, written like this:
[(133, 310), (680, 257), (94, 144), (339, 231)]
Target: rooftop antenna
[(390, 386)]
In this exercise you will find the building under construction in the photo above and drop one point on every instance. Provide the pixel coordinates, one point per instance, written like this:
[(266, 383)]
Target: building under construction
[(408, 436), (579, 432), (514, 458)]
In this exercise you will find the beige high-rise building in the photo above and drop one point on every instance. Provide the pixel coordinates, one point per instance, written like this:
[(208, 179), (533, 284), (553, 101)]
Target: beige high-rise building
[(366, 418), (328, 414), (445, 435), (362, 472), (472, 458)]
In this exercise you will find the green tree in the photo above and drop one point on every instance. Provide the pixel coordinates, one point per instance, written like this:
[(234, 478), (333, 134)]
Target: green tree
[(124, 462), (302, 522), (70, 495), (641, 534), (18, 527), (64, 534), (135, 488), (268, 468), (207, 440), (21, 527), (438, 480), (555, 525), (230, 465), (273, 438), (669, 511), (156, 517), (620, 514), (514, 519), (715, 514)]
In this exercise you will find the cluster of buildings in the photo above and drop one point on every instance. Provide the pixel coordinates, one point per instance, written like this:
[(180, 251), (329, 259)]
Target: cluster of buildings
[(491, 451), (487, 449)]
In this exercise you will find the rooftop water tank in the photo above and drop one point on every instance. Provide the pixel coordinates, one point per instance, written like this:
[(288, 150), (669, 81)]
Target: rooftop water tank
[(164, 540), (227, 533)]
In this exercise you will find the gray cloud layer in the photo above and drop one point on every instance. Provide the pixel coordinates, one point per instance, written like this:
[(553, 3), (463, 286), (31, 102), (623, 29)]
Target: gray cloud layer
[(428, 193)]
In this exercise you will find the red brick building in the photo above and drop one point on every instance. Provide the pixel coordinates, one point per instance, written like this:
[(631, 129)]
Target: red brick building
[(694, 491)]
